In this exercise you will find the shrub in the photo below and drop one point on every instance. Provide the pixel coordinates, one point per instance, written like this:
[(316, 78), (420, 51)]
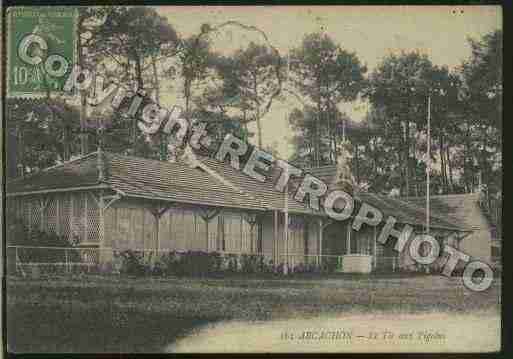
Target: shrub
[(132, 263), (231, 263), (190, 263), (250, 263), (200, 263), (19, 235), (170, 263)]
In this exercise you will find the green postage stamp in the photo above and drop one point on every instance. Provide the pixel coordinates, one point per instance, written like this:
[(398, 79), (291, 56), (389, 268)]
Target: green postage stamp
[(42, 46)]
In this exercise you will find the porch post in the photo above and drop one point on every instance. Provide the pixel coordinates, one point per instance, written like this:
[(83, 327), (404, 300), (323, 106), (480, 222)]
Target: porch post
[(241, 235), (286, 239), (101, 205), (57, 214), (275, 236), (321, 227), (71, 216), (374, 247), (348, 239), (157, 229), (206, 235)]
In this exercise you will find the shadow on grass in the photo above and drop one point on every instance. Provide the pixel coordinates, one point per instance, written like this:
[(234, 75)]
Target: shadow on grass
[(35, 328)]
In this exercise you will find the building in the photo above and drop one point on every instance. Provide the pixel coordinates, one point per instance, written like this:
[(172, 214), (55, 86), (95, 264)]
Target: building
[(115, 202), (471, 212)]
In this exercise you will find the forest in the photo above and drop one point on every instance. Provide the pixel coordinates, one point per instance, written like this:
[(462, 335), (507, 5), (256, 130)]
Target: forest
[(142, 50)]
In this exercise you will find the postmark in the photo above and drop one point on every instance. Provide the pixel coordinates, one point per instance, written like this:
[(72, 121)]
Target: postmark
[(42, 46)]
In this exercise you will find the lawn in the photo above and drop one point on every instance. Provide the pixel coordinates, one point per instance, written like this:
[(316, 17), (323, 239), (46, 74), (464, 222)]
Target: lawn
[(110, 314)]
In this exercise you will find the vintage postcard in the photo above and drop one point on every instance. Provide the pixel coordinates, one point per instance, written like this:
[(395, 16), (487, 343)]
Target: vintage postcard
[(255, 179)]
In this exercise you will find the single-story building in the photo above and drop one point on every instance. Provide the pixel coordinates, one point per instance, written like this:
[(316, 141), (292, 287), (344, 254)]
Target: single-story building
[(470, 212), (115, 202)]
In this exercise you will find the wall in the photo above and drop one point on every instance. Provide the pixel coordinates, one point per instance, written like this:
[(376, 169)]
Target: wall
[(303, 237), (130, 224)]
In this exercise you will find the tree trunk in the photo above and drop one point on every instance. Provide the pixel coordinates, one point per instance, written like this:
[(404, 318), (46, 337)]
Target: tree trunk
[(414, 175), (140, 86), (467, 173), (138, 72), (156, 80), (333, 135), (317, 137), (449, 166), (400, 152), (162, 143), (259, 131), (357, 164), (187, 94), (484, 161), (407, 156), (442, 163)]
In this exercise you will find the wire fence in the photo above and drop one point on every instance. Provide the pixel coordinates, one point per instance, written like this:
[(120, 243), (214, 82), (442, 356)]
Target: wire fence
[(35, 261)]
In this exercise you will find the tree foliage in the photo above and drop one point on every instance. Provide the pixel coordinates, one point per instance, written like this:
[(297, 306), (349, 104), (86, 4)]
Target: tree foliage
[(326, 75), (140, 49)]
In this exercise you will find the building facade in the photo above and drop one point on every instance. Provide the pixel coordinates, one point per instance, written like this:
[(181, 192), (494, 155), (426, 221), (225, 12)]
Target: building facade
[(114, 203)]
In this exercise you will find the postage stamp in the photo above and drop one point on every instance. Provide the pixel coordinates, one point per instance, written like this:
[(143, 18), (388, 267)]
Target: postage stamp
[(42, 48)]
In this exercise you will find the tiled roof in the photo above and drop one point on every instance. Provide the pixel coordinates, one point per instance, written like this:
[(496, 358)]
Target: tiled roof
[(225, 187), (178, 182), (139, 177), (263, 191), (403, 211), (81, 172), (460, 208)]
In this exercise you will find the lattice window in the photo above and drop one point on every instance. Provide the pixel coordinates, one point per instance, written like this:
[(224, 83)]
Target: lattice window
[(35, 214), (93, 219), (50, 215), (64, 215), (77, 228)]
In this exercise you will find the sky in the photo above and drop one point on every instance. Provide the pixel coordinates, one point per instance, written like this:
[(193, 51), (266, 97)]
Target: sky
[(372, 32)]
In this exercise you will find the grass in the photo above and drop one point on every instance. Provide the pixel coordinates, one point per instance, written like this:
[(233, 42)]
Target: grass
[(108, 314)]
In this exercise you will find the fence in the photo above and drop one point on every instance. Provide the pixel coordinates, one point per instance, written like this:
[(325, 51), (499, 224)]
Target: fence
[(24, 260), (37, 260)]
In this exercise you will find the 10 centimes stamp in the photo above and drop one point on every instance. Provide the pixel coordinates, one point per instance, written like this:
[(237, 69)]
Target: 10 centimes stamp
[(42, 47)]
